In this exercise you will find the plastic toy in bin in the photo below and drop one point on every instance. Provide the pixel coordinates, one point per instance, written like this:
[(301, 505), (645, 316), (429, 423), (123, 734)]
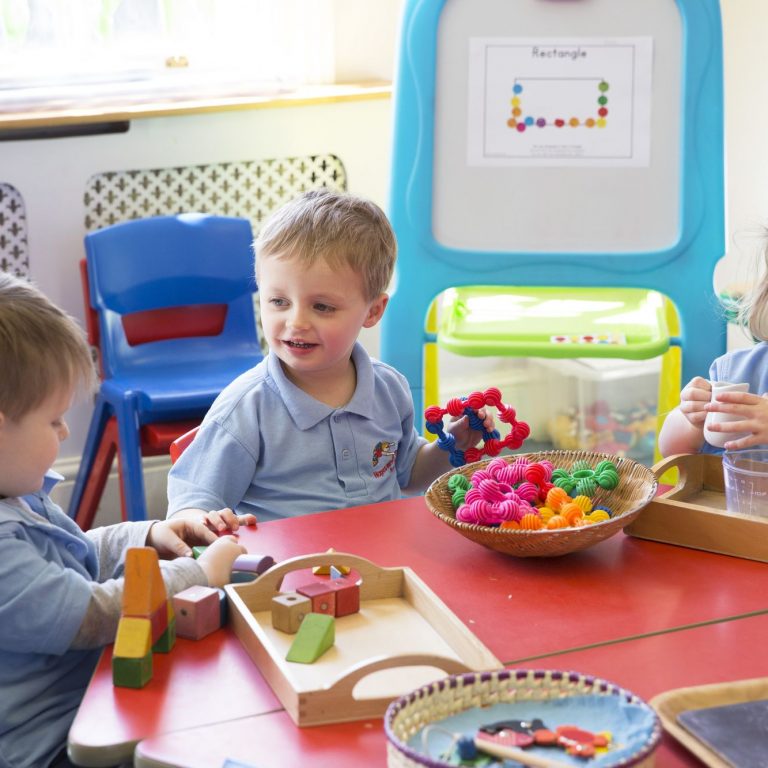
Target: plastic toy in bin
[(469, 406)]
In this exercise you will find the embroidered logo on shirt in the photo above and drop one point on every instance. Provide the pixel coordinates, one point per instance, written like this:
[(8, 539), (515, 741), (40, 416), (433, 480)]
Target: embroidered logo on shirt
[(382, 449)]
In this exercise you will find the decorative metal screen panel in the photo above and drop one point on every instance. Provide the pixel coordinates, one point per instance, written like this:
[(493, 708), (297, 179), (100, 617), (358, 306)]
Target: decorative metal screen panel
[(251, 189), (14, 250)]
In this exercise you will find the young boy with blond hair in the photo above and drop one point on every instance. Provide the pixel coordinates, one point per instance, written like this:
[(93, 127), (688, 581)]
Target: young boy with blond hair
[(61, 589), (317, 424)]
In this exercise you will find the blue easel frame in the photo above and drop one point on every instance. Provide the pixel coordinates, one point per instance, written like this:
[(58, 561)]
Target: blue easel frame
[(683, 272)]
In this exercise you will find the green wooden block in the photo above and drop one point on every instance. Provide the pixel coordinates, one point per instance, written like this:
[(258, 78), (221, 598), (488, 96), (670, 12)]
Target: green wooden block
[(317, 633), (132, 672), (197, 551), (167, 640)]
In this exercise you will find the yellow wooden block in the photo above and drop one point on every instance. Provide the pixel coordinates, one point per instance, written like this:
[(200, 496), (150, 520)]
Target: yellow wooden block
[(134, 637), (325, 570)]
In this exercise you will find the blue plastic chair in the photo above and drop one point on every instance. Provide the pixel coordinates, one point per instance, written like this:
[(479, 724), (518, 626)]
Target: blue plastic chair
[(427, 267), (150, 282)]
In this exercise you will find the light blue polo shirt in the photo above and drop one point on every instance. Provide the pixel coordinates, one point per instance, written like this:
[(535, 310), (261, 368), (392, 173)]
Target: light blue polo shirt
[(749, 364), (269, 448), (46, 565)]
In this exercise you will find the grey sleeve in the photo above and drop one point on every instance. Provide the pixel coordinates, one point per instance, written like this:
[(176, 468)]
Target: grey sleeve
[(99, 625), (112, 541)]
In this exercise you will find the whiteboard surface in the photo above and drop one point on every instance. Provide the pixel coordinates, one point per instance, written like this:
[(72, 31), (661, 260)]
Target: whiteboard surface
[(565, 207)]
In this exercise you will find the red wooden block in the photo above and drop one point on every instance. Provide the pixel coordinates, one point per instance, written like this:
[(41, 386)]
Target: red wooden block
[(323, 597), (347, 596), (198, 612)]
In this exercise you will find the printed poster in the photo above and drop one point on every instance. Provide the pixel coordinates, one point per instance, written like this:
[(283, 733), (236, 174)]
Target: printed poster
[(572, 102)]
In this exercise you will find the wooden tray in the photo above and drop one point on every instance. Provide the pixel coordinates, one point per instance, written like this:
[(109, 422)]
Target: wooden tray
[(693, 513), (670, 704), (403, 637)]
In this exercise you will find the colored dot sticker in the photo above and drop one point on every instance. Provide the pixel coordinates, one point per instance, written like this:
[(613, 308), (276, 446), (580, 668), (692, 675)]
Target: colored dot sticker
[(517, 88), (529, 120), (521, 127), (601, 122), (589, 122), (515, 101), (511, 122), (602, 111), (573, 122), (559, 122), (603, 87), (541, 122), (603, 100)]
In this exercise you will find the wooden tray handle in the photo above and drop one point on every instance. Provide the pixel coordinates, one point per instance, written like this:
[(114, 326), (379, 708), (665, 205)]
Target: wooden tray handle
[(271, 579), (345, 684), (695, 470)]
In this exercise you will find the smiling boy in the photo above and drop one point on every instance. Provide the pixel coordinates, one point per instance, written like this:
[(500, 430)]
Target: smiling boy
[(303, 431)]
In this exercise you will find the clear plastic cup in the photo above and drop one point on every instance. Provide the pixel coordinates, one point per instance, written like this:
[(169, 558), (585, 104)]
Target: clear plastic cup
[(746, 481)]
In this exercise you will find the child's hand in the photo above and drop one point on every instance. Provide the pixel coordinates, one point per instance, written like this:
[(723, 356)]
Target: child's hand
[(218, 558), (465, 436), (694, 400), (220, 520), (752, 411), (173, 538)]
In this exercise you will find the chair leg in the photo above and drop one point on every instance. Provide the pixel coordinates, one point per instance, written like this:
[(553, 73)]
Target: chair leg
[(129, 457), (95, 464)]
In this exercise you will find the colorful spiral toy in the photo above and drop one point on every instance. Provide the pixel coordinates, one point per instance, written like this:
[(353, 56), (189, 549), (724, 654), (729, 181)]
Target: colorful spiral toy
[(469, 406)]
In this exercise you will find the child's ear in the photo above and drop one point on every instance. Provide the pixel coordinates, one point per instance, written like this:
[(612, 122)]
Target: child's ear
[(376, 310)]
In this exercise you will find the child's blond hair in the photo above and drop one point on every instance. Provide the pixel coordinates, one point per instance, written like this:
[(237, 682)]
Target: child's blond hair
[(42, 349), (338, 227)]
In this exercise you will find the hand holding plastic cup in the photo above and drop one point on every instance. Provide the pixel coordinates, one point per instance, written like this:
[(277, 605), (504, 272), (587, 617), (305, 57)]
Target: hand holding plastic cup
[(719, 439)]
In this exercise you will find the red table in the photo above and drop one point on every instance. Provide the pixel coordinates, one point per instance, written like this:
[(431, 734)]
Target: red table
[(523, 609), (714, 653), (199, 682)]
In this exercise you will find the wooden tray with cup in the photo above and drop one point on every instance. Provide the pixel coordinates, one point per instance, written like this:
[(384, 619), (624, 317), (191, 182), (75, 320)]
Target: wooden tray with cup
[(693, 513), (403, 634)]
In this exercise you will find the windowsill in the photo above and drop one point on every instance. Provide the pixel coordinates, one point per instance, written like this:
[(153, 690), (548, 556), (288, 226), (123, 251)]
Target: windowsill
[(86, 109)]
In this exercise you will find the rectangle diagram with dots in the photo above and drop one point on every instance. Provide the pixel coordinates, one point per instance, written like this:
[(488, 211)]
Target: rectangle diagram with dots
[(559, 102)]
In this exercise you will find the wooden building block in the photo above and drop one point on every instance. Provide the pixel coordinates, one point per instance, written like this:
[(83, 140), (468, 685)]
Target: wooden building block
[(317, 633), (223, 607), (144, 589), (253, 563), (166, 641), (134, 637), (159, 621), (131, 673), (347, 594), (132, 653), (325, 570), (242, 577), (197, 551), (288, 611), (198, 612), (322, 596)]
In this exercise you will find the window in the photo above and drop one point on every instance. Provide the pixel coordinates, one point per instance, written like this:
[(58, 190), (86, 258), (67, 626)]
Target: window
[(66, 49)]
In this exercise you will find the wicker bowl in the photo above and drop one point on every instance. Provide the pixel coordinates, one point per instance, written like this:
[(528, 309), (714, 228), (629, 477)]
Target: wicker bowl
[(538, 693), (637, 486)]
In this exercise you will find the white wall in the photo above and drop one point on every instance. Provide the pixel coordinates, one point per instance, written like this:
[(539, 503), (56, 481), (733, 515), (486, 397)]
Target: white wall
[(746, 117), (51, 174)]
